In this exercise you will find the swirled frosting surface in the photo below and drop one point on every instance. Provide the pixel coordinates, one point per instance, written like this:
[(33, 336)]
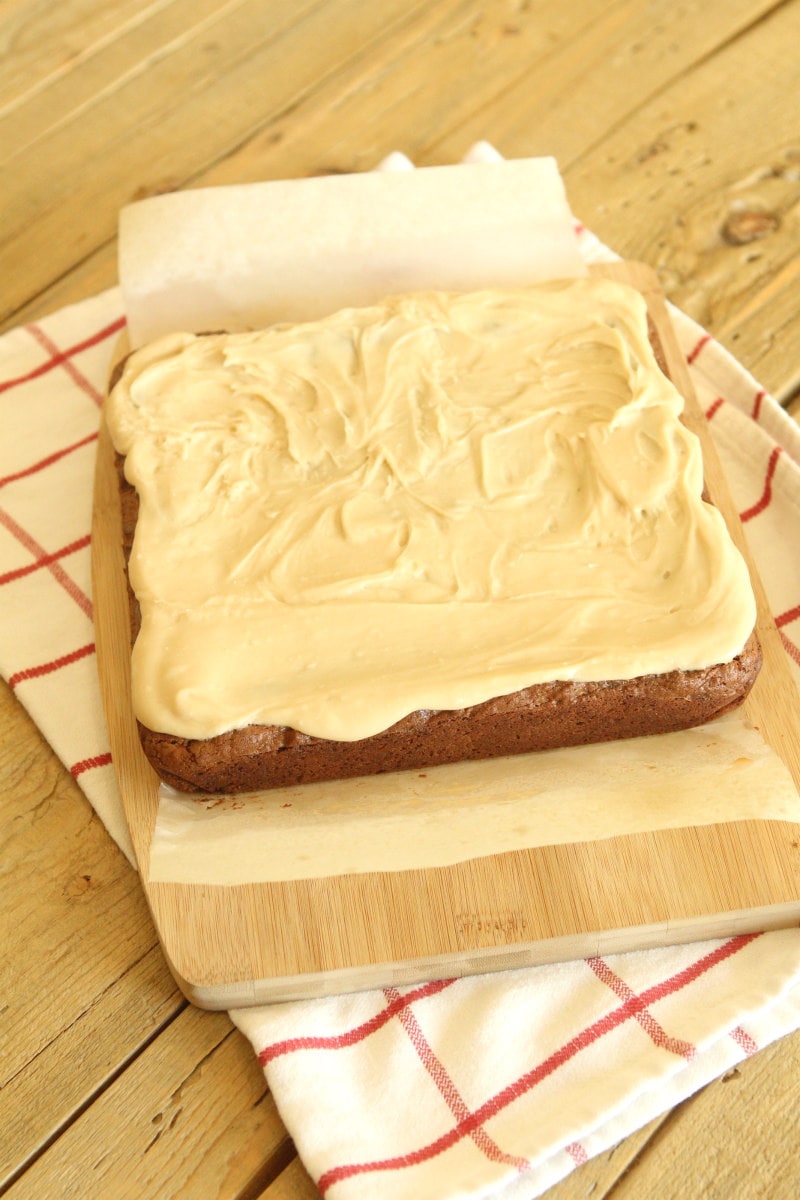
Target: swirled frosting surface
[(417, 505)]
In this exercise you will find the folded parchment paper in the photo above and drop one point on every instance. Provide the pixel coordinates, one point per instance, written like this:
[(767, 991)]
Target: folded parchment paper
[(247, 256), (723, 771)]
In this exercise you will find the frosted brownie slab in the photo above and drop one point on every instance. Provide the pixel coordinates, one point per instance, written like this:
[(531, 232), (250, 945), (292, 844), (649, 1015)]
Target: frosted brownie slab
[(447, 526)]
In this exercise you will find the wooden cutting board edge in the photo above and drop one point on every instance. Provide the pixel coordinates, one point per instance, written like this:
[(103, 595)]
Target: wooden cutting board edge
[(311, 985), (255, 943)]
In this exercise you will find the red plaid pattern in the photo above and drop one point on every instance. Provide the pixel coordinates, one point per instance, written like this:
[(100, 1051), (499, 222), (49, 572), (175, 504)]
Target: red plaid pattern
[(52, 379), (503, 1084), (494, 1085)]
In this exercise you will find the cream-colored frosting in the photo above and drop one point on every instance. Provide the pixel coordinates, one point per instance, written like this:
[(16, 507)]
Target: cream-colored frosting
[(417, 505)]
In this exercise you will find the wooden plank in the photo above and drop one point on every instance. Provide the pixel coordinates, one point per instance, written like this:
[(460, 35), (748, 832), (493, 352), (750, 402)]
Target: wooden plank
[(64, 192), (414, 99), (189, 1118), (126, 55), (414, 83), (678, 189), (92, 275), (737, 1137), (601, 74), (40, 1100), (247, 944), (293, 1183), (83, 983), (47, 40), (598, 1177), (77, 867), (740, 1127)]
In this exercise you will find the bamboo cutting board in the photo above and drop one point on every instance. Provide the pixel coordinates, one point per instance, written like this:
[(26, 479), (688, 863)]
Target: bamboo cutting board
[(231, 946)]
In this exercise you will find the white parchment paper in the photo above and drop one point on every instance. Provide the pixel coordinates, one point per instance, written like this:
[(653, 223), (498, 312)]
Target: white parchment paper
[(723, 771), (248, 256)]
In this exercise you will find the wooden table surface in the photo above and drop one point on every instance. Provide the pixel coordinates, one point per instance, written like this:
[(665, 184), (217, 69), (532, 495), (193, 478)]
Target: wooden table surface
[(677, 129)]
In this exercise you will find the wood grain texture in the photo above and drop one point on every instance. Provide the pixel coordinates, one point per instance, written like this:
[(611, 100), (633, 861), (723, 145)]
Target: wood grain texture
[(159, 1128), (667, 120), (689, 1153), (293, 1183), (87, 165), (233, 946), (90, 929)]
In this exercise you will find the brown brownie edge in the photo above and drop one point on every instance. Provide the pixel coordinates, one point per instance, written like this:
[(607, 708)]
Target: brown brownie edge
[(541, 717)]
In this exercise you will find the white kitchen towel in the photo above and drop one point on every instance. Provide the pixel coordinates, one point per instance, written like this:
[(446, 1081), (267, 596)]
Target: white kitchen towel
[(491, 1086)]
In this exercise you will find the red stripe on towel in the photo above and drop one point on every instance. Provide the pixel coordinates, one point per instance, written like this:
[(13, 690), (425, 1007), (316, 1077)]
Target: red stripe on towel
[(790, 648), (59, 357), (547, 1067), (743, 1039), (351, 1036), (54, 567), (766, 495), (54, 665), (786, 618), (46, 462), (447, 1088), (759, 396), (704, 340), (64, 361), (87, 764), (46, 560), (647, 1021)]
